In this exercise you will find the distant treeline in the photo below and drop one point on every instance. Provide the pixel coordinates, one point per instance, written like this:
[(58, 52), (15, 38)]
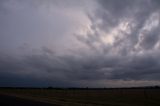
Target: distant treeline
[(76, 88)]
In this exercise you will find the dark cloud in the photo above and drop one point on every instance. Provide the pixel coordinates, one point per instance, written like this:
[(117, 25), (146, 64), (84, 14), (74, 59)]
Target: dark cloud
[(50, 69), (150, 38), (120, 43), (135, 47)]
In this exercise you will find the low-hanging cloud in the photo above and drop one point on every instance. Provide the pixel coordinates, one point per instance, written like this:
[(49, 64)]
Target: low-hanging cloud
[(118, 45), (132, 42)]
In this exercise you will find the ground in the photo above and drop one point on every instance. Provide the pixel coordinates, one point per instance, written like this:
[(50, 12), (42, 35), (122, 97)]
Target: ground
[(89, 97)]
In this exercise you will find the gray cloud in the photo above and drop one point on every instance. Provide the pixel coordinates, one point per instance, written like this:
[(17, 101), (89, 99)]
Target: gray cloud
[(68, 70), (42, 44), (135, 46)]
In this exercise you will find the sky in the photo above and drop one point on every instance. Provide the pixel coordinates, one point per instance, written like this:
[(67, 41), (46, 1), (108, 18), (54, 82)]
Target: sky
[(79, 43)]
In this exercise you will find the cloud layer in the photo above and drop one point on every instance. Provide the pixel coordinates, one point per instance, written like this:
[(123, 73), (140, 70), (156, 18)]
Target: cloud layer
[(101, 43)]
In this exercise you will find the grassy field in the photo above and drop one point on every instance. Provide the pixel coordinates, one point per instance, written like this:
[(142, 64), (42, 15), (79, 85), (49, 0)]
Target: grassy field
[(90, 97)]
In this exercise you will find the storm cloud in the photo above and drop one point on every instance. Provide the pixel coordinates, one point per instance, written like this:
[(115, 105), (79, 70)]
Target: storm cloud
[(94, 43)]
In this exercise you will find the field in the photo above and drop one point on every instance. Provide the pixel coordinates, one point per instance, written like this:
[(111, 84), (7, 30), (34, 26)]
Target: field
[(90, 97)]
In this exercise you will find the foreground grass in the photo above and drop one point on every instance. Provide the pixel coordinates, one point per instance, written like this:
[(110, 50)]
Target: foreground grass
[(110, 97)]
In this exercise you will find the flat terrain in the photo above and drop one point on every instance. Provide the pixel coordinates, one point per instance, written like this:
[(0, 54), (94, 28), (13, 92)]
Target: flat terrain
[(14, 101), (86, 97)]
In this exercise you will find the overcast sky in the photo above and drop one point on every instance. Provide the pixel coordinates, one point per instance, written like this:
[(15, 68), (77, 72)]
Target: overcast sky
[(79, 43)]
